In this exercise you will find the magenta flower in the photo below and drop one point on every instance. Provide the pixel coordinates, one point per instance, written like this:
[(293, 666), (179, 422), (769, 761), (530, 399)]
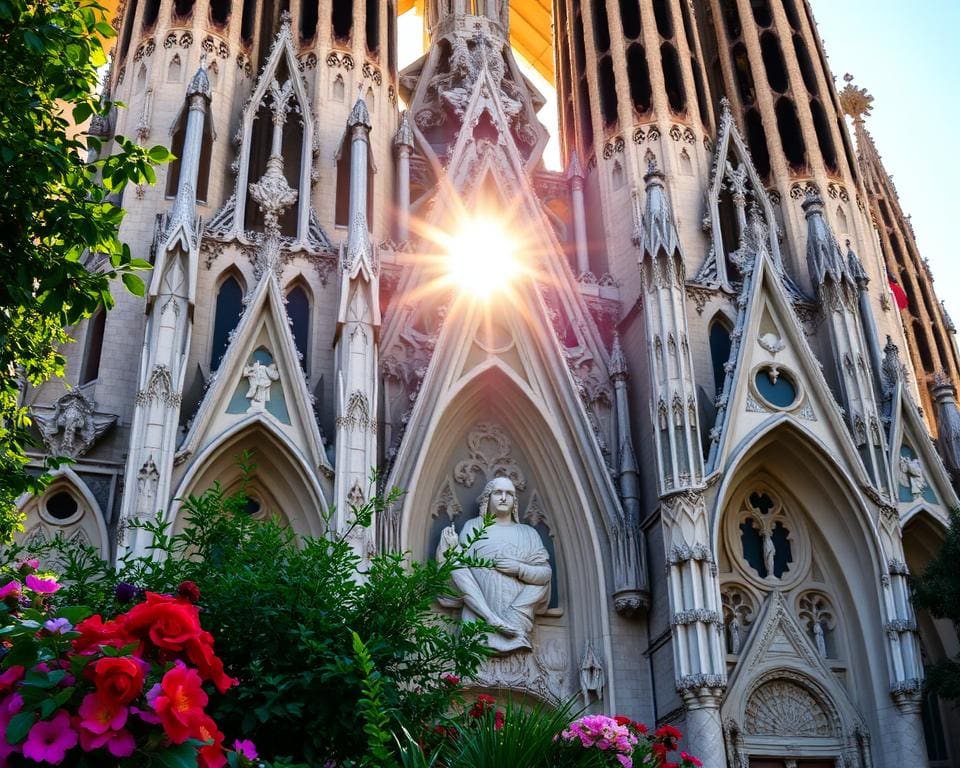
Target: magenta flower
[(57, 626), (246, 748), (99, 716), (29, 565), (41, 585), (49, 740), (10, 589)]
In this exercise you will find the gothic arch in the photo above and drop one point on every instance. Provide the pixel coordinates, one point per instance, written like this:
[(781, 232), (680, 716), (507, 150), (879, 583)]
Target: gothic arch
[(493, 392), (86, 525), (281, 469)]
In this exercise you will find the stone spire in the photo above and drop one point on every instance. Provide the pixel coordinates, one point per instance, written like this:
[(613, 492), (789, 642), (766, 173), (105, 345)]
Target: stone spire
[(825, 260), (403, 148), (948, 425), (657, 230), (929, 342)]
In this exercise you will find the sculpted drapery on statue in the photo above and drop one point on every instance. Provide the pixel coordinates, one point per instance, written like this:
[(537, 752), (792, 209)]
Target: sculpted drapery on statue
[(509, 594)]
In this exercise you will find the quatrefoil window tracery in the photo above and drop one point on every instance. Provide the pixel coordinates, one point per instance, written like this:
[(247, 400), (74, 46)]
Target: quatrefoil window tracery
[(767, 541)]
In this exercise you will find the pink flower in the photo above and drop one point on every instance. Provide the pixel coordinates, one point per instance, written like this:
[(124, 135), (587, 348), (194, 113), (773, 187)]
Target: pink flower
[(49, 740), (29, 565), (99, 715), (10, 589), (10, 678), (8, 708), (246, 748), (41, 585)]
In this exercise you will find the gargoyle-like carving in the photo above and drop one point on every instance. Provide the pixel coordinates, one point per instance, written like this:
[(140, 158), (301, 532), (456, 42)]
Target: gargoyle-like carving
[(73, 425)]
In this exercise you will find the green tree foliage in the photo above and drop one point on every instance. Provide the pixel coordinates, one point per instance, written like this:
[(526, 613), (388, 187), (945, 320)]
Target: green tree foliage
[(937, 590), (59, 248), (329, 660)]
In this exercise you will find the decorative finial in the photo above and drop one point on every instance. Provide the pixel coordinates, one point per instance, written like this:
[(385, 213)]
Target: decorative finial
[(404, 135), (854, 101), (574, 168), (359, 115), (200, 84), (618, 361)]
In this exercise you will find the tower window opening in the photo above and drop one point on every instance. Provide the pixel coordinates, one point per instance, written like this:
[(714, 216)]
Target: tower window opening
[(93, 347), (922, 347), (729, 231), (630, 18), (806, 66), (372, 26), (847, 149), (664, 19), (757, 140), (219, 12), (791, 10), (791, 136), (151, 11), (229, 309), (601, 27), (762, 14), (309, 17), (341, 17), (586, 124), (608, 91), (773, 62), (182, 9), (701, 92), (731, 19), (246, 21), (824, 137), (391, 39), (639, 74), (128, 30), (688, 25), (720, 346), (744, 75), (298, 310), (579, 47), (673, 78)]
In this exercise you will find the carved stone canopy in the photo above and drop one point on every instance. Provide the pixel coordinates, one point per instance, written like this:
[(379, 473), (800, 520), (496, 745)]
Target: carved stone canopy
[(72, 425)]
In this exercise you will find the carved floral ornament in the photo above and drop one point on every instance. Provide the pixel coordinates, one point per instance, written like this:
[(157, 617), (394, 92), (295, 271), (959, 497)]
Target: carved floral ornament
[(767, 543)]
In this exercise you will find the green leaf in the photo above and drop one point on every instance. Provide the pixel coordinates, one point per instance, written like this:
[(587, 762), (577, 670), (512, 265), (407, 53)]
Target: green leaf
[(19, 727), (75, 613), (160, 154), (182, 756), (134, 284)]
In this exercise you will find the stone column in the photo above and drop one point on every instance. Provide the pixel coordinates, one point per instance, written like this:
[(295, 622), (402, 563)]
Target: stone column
[(403, 144), (703, 735), (575, 179)]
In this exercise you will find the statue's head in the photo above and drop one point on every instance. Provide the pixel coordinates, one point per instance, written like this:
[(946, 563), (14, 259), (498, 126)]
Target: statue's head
[(499, 487)]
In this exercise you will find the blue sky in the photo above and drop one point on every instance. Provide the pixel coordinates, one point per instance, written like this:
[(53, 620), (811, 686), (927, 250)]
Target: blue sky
[(905, 55)]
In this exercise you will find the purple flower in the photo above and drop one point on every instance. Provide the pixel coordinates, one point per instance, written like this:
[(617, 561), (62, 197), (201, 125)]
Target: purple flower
[(49, 740), (124, 592), (246, 748), (57, 626), (10, 589)]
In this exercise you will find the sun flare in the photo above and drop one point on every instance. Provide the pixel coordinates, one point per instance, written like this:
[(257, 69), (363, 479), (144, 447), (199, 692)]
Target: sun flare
[(482, 257)]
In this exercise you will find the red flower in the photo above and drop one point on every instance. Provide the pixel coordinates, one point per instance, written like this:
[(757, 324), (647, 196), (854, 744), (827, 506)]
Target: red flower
[(498, 720), (451, 680), (118, 680), (189, 591), (95, 632), (621, 720), (10, 678), (211, 755), (179, 703), (201, 655), (481, 705), (667, 731), (169, 624), (641, 728), (687, 758)]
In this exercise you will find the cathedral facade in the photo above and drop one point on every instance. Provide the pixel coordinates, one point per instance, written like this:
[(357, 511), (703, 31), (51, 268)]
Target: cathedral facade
[(675, 368)]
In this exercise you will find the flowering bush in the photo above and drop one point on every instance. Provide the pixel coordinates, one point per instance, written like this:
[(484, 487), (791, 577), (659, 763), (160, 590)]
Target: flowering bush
[(623, 742), (127, 691)]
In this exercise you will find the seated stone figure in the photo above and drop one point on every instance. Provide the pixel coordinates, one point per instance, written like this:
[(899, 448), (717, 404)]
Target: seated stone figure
[(509, 594)]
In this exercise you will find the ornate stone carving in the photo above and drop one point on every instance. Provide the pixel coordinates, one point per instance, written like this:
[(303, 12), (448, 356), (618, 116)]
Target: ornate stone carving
[(783, 708), (592, 675), (818, 617), (148, 476), (489, 449), (73, 426), (739, 612), (911, 475), (508, 595), (159, 388)]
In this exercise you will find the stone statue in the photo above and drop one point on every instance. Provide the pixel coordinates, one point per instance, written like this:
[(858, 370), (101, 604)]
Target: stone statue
[(911, 475), (819, 639), (509, 594), (735, 634), (260, 377), (769, 552)]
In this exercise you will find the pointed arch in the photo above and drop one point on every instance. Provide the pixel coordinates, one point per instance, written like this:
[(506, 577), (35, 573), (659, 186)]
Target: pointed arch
[(299, 310), (66, 508), (283, 476), (227, 312), (93, 347), (719, 332)]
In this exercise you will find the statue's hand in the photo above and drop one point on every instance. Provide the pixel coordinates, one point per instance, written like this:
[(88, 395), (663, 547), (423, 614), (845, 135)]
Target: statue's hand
[(448, 539), (508, 566)]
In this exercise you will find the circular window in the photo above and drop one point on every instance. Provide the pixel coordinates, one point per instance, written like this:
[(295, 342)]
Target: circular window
[(776, 387), (252, 507), (62, 508)]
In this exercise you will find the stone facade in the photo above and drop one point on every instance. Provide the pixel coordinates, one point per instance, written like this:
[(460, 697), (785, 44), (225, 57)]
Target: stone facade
[(719, 477)]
